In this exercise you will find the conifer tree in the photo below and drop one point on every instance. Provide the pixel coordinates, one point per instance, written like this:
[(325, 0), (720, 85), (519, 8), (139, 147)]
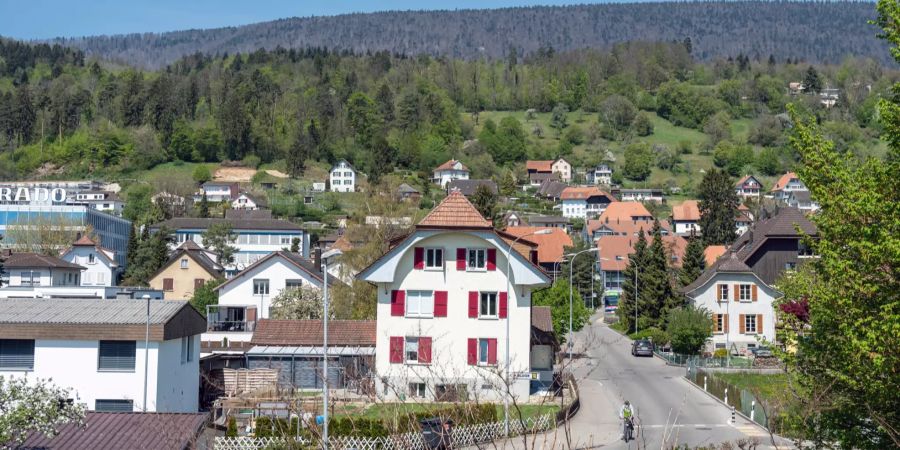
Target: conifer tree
[(718, 208), (656, 295), (633, 273), (203, 209), (694, 262)]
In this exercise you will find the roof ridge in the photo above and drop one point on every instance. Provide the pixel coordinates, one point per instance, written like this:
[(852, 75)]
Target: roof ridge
[(455, 211)]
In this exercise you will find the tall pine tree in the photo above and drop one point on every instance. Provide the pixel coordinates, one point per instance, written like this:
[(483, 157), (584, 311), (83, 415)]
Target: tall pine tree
[(718, 208), (656, 295), (694, 262), (634, 273), (203, 208)]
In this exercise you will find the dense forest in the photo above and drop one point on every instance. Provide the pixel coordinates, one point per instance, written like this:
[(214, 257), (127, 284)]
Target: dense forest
[(824, 32)]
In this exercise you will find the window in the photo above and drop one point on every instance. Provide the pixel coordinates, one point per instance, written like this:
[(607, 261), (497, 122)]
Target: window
[(187, 349), (434, 258), (417, 390), (116, 356), (744, 293), (114, 405), (348, 174), (484, 352), (17, 354), (477, 259), (720, 345), (285, 240), (750, 324), (723, 293), (804, 251), (168, 284), (487, 306), (30, 278), (720, 323), (252, 239), (411, 350), (184, 263), (419, 304), (101, 278), (293, 284), (260, 287), (91, 259), (790, 265)]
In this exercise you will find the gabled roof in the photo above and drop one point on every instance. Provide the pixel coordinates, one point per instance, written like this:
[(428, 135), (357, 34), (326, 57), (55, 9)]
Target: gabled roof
[(309, 333), (195, 223), (624, 211), (407, 189), (801, 196), (195, 252), (468, 187), (617, 249), (552, 188), (541, 318), (689, 210), (293, 258), (783, 181), (583, 193), (539, 166), (550, 247), (21, 260), (712, 253), (124, 430), (626, 227), (780, 225), (342, 161), (727, 263), (260, 201), (455, 211), (744, 179), (85, 241), (449, 166)]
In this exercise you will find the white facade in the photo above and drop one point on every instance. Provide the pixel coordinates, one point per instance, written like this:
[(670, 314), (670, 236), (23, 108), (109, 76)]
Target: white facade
[(37, 277), (563, 169), (342, 177), (729, 297), (443, 177), (685, 227), (216, 192), (748, 188), (100, 268), (244, 201), (601, 174), (436, 313), (641, 195), (172, 384), (252, 245), (581, 208)]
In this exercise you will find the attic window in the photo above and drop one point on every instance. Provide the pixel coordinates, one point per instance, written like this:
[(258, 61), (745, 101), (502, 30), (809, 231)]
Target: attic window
[(184, 263)]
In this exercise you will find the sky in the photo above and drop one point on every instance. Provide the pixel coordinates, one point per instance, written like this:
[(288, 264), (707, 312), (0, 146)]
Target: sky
[(41, 19)]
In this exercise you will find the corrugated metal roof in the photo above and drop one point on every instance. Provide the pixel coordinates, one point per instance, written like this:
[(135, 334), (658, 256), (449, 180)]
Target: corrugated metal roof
[(86, 311), (117, 431), (272, 350)]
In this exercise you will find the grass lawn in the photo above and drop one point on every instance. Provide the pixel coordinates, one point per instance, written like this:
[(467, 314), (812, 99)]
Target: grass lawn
[(768, 386)]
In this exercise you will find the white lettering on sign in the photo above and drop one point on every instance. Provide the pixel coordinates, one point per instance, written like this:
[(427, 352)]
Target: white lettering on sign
[(23, 195), (39, 195), (5, 194), (58, 195)]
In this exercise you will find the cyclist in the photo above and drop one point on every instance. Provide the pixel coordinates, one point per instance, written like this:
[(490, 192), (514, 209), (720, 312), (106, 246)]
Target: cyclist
[(626, 415)]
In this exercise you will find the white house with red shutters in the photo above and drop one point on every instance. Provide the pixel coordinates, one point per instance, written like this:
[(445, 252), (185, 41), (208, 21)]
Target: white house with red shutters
[(444, 306), (741, 305)]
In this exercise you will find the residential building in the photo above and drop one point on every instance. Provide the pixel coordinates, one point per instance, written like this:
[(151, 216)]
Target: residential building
[(514, 219), (34, 270), (788, 183), (551, 190), (802, 201), (449, 171), (104, 201), (622, 219), (217, 191), (712, 252), (640, 195), (549, 222), (247, 297), (774, 245), (247, 201), (294, 349), (560, 167), (536, 179), (342, 177), (744, 220), (686, 218), (584, 202), (131, 430), (100, 266), (615, 250), (407, 192), (468, 187), (254, 238), (544, 345), (188, 269), (97, 348), (741, 304), (748, 187), (550, 247), (443, 307), (601, 174)]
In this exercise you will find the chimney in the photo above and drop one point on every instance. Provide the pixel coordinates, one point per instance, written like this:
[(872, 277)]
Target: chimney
[(318, 258)]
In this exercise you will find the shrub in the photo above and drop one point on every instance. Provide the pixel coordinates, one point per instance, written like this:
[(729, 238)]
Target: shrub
[(659, 337), (251, 161), (201, 174), (231, 431), (720, 353), (689, 328)]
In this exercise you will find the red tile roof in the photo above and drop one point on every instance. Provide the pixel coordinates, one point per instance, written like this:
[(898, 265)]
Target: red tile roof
[(124, 430), (539, 166), (455, 211), (616, 250), (625, 211), (449, 166), (579, 193), (550, 246), (712, 253), (541, 318), (689, 210), (309, 332), (84, 241), (783, 181)]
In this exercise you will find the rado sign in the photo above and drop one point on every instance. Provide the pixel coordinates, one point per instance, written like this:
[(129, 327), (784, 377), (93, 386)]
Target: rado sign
[(32, 195)]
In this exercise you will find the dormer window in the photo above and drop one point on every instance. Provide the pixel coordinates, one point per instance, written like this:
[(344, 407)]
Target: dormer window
[(91, 259)]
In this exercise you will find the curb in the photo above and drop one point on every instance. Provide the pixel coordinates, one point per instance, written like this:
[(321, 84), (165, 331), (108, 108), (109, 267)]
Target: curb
[(736, 411)]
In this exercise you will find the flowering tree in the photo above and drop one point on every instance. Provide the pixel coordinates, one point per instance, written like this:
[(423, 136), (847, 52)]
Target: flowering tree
[(34, 406), (301, 303)]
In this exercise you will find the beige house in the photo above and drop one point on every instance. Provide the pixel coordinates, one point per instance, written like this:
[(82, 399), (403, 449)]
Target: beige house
[(186, 270)]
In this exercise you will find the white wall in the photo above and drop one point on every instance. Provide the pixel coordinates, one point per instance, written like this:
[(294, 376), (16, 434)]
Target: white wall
[(444, 177), (706, 297), (240, 291), (450, 334), (685, 227), (100, 273), (73, 364), (339, 177), (574, 209), (563, 168), (48, 277)]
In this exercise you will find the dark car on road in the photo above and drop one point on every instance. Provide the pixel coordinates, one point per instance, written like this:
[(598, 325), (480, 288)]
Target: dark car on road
[(642, 347)]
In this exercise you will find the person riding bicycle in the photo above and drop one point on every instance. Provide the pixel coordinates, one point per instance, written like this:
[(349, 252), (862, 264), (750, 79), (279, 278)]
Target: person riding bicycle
[(626, 415)]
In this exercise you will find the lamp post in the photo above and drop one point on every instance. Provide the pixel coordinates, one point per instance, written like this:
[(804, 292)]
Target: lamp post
[(325, 256), (571, 266), (146, 351), (508, 288)]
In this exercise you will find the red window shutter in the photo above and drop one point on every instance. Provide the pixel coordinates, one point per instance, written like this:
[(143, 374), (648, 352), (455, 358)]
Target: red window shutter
[(737, 292), (472, 351), (759, 322), (460, 259), (473, 304), (425, 350), (492, 351), (398, 303), (440, 303), (492, 259), (419, 258), (168, 284), (503, 304), (755, 292), (396, 350), (742, 324)]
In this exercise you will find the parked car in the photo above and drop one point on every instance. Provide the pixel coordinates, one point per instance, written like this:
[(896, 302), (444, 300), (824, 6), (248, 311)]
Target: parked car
[(642, 347), (762, 352)]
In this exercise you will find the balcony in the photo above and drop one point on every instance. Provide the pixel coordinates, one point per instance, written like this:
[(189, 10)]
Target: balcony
[(225, 318)]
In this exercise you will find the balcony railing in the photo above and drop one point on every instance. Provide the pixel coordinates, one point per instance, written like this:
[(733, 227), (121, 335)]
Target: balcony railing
[(230, 318)]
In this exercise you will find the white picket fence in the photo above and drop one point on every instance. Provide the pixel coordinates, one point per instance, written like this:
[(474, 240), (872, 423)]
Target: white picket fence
[(461, 437)]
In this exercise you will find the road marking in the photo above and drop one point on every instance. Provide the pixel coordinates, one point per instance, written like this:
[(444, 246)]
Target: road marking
[(680, 425)]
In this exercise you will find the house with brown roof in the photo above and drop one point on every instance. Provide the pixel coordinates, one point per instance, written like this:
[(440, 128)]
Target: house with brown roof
[(560, 167), (789, 182), (686, 218), (188, 269), (544, 345), (748, 187), (100, 266), (774, 244), (294, 349), (640, 195), (584, 202), (34, 270), (128, 430), (449, 171), (468, 187), (550, 247), (248, 201), (621, 219), (614, 252), (551, 189), (444, 305)]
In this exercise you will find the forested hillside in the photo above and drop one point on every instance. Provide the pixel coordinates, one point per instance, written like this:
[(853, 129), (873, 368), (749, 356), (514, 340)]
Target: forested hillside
[(811, 31)]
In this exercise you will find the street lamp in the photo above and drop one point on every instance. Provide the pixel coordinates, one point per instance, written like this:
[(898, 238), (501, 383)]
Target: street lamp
[(540, 232), (571, 266), (146, 351), (325, 256)]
